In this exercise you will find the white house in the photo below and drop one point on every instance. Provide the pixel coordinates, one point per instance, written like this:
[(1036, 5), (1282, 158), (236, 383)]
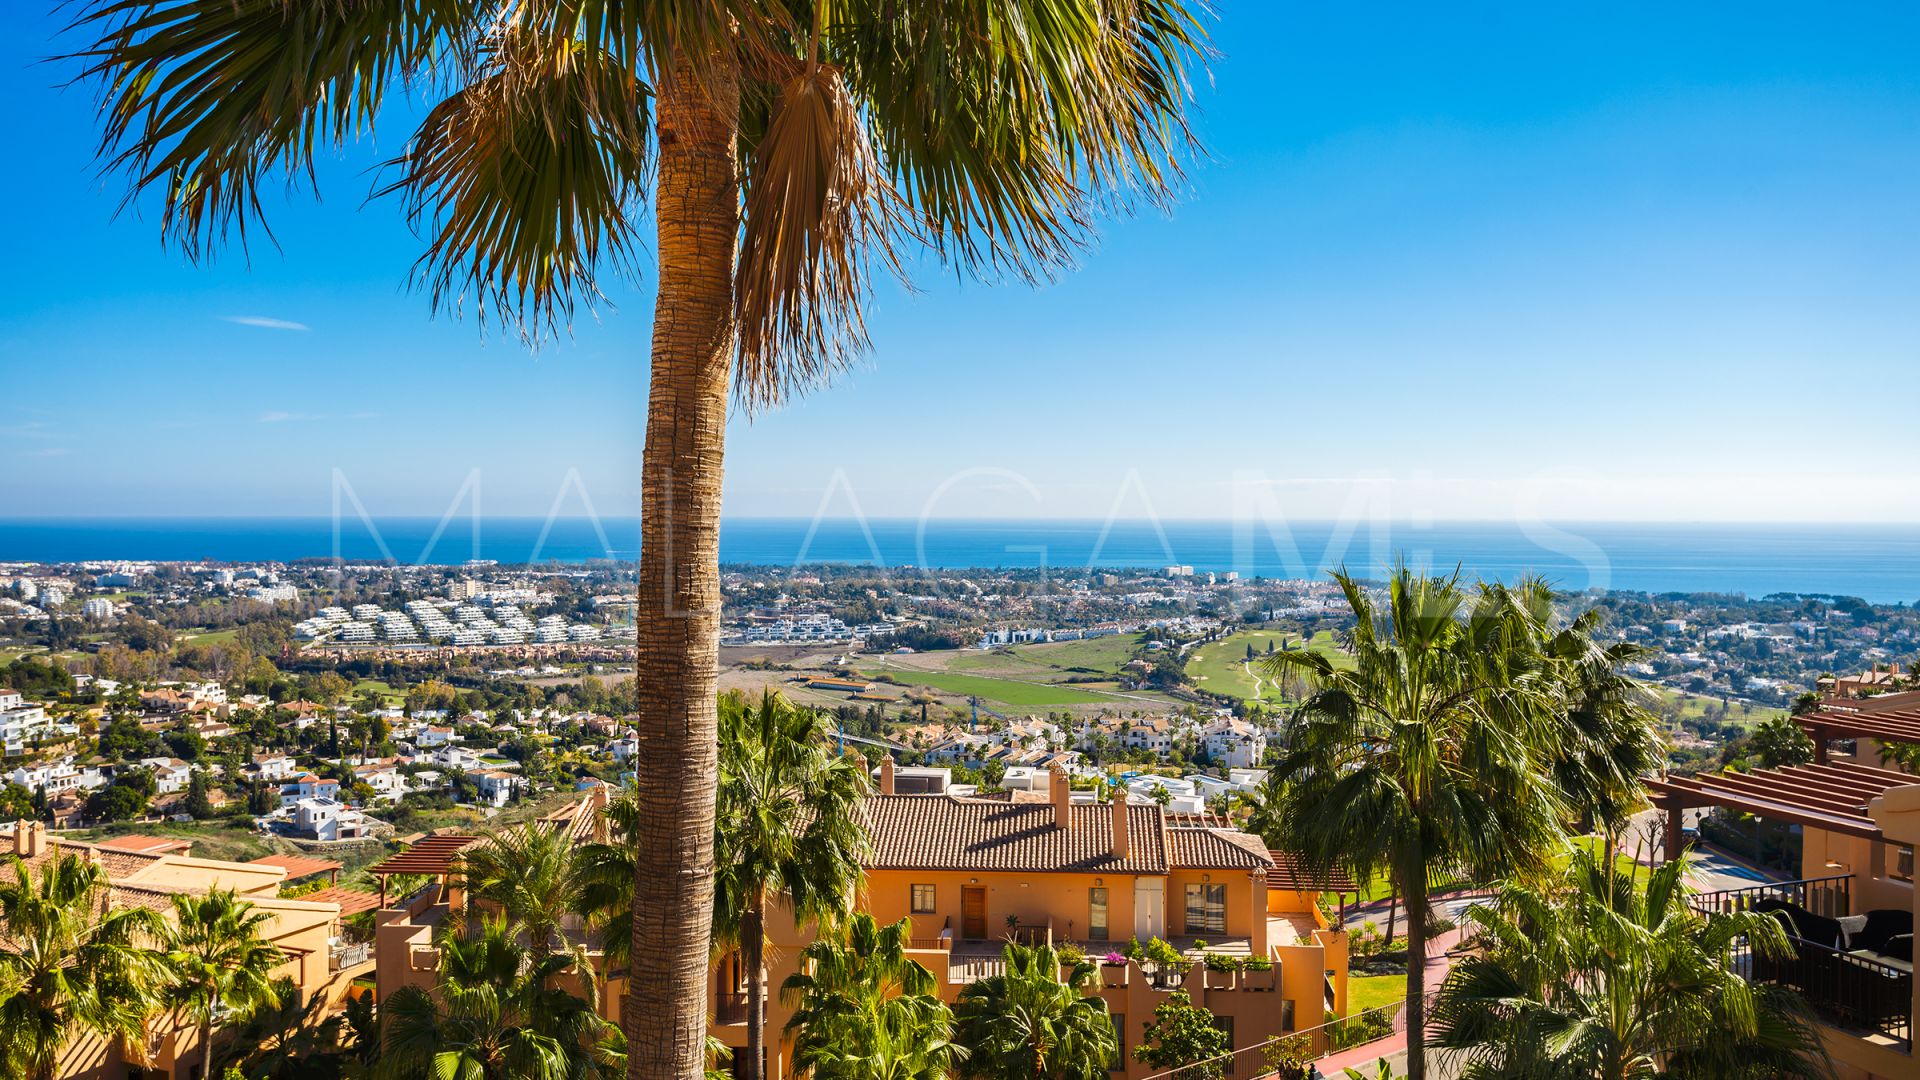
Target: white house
[(429, 737), (496, 786), (626, 748), (273, 768), (388, 783), (169, 774), (328, 819), (309, 786), (1235, 743)]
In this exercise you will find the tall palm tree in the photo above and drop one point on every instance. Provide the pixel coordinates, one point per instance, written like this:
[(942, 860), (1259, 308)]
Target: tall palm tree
[(291, 1037), (865, 1010), (73, 964), (788, 145), (1424, 755), (790, 827), (219, 965), (1609, 742), (1596, 977), (494, 1014), (529, 876), (603, 873), (1033, 1022)]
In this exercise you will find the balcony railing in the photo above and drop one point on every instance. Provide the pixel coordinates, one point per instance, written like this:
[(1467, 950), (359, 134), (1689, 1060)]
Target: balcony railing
[(1856, 990), (729, 1008), (1831, 897), (1850, 989)]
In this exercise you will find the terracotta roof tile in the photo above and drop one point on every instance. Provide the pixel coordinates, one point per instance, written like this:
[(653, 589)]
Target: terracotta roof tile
[(933, 832)]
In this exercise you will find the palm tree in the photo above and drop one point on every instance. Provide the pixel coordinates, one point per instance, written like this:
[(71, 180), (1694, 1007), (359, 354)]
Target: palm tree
[(1608, 741), (1033, 1023), (790, 826), (1422, 756), (865, 1010), (494, 1014), (1596, 977), (787, 146), (288, 1038), (603, 873), (528, 874), (73, 964), (219, 965)]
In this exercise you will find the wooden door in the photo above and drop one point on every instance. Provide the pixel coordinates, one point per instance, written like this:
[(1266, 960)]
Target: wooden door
[(973, 912)]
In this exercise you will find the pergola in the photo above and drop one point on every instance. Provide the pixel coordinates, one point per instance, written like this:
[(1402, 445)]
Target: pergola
[(1826, 796), (1887, 718), (433, 855)]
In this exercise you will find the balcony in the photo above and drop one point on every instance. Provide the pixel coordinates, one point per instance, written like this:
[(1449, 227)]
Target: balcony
[(730, 1008), (1838, 969)]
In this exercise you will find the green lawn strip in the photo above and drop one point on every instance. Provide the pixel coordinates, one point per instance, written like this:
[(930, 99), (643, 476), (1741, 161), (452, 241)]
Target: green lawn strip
[(1368, 992), (1005, 691)]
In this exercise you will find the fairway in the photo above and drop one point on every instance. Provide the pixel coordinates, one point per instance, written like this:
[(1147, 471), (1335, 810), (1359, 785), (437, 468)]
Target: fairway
[(1368, 992), (1220, 667), (1005, 691)]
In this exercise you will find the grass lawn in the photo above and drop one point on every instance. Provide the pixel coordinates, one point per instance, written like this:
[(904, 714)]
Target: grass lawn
[(1005, 691), (1365, 992), (1220, 667), (1680, 705), (209, 637), (381, 687), (1104, 655)]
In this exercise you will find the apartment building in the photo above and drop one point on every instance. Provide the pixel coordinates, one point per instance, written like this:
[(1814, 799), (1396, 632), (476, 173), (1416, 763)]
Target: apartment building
[(318, 958)]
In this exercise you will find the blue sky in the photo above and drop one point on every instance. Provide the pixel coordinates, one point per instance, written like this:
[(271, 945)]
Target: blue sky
[(1566, 261)]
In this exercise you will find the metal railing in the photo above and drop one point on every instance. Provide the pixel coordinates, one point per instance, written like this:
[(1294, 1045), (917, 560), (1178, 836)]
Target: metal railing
[(1831, 897), (730, 1008), (1851, 989)]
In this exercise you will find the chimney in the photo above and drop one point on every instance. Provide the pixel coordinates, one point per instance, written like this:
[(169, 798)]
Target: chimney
[(886, 774), (1061, 793), (1120, 844), (29, 839)]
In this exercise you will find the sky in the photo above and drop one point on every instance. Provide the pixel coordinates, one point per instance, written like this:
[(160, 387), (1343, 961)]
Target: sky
[(1581, 261)]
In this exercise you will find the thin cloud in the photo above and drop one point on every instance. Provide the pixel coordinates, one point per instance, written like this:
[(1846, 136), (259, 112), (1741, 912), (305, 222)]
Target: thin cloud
[(277, 416), (50, 451), (32, 429), (264, 322)]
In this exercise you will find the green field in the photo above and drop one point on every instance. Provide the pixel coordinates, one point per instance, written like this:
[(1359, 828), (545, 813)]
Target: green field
[(1365, 992), (209, 637), (1051, 662), (1220, 667), (1005, 691), (1679, 705), (380, 687)]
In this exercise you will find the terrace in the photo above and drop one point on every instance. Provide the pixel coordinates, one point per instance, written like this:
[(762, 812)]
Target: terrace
[(1849, 918)]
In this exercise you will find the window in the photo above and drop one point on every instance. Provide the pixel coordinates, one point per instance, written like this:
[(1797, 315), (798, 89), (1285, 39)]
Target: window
[(1286, 1014), (1206, 909), (1097, 914), (1903, 863), (923, 901), (1119, 1062), (1225, 1024)]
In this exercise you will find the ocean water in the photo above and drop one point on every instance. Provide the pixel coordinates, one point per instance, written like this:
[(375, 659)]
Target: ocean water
[(1875, 562)]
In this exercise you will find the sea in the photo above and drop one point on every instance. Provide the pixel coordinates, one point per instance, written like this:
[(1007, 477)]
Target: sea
[(1878, 563)]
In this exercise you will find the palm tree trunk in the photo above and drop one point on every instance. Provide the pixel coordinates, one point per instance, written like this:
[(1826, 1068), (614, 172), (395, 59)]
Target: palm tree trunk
[(1416, 981), (1393, 908), (206, 1050), (678, 610), (753, 940)]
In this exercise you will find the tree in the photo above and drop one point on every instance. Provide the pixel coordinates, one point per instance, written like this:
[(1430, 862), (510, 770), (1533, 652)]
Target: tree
[(1424, 755), (73, 965), (865, 1010), (495, 1014), (1183, 1036), (528, 873), (785, 154), (288, 1038), (1033, 1023), (198, 803), (1778, 741), (1596, 976), (789, 825), (218, 964), (116, 802)]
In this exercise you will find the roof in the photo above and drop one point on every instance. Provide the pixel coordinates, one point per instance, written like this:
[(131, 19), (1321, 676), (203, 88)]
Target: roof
[(1889, 716), (351, 901), (297, 866), (432, 855), (140, 844), (1833, 797), (934, 832)]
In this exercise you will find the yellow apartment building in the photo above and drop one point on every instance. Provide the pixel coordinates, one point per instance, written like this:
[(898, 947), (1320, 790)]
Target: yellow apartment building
[(307, 932)]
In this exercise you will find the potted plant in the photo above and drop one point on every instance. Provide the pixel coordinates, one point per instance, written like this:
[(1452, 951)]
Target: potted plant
[(1169, 965), (1221, 969), (1259, 974), (1113, 970)]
